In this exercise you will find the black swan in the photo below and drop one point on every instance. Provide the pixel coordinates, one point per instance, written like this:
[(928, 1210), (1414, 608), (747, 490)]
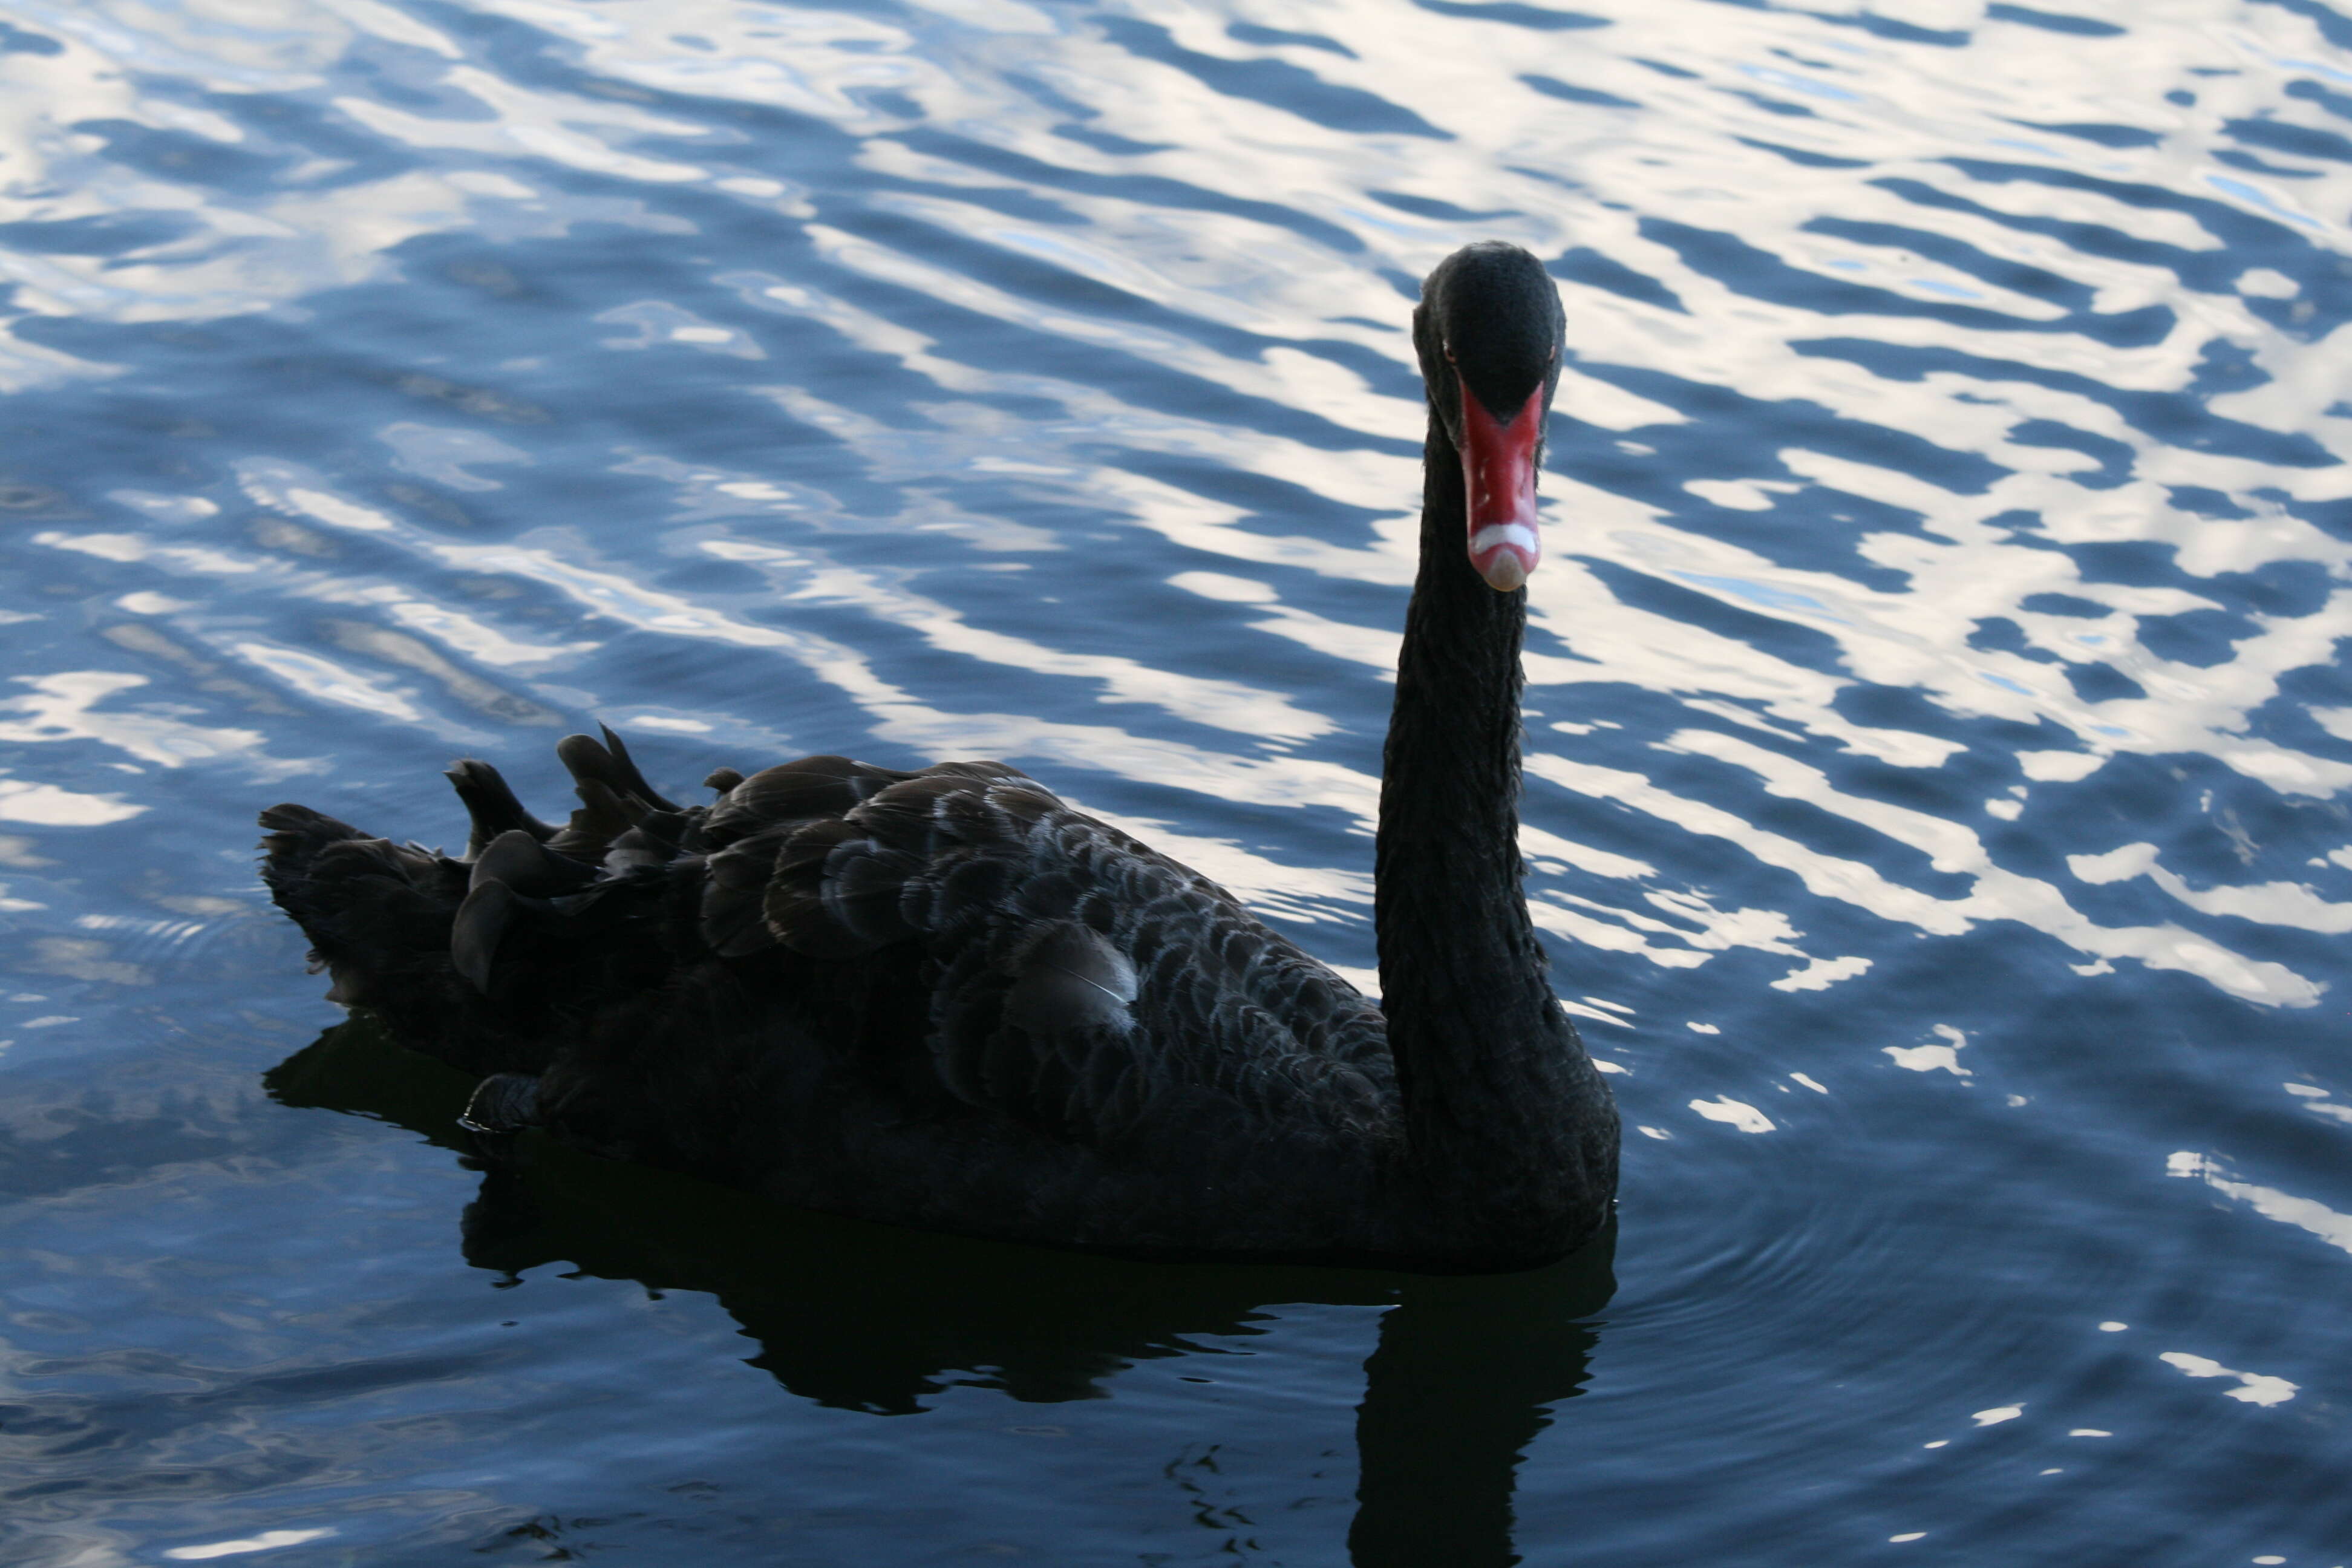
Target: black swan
[(943, 998)]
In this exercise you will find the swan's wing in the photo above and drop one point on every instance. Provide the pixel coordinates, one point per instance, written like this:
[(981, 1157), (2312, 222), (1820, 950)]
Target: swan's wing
[(1081, 981), (1078, 981)]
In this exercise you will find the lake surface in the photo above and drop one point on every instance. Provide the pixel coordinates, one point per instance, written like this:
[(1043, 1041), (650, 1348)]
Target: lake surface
[(1937, 750)]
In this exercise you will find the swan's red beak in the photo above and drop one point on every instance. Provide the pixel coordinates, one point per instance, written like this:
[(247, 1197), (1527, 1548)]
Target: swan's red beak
[(1498, 465)]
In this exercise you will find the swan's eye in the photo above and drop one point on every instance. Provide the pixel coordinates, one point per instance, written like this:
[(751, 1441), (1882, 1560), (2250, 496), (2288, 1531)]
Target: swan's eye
[(1551, 353), (1448, 350)]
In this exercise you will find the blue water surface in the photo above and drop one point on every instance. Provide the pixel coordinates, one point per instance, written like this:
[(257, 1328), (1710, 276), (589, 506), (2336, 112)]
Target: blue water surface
[(1938, 752)]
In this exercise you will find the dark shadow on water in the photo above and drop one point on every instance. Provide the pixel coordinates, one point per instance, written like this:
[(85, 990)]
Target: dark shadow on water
[(873, 1318)]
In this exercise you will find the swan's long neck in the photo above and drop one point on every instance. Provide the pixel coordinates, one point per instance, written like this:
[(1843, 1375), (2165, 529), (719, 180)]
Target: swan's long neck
[(1508, 1123)]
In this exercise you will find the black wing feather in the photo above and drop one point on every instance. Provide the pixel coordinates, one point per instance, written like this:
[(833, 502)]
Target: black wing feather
[(1080, 984)]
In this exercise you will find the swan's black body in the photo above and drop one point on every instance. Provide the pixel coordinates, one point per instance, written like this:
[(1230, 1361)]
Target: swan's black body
[(943, 998)]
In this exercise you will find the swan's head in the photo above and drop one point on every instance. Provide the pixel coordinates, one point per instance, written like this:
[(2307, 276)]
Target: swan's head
[(1489, 329)]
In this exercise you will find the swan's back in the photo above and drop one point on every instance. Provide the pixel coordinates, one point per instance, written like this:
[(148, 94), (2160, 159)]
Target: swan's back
[(909, 994)]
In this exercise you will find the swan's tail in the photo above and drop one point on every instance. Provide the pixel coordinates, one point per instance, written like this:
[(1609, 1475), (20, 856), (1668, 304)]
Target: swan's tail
[(470, 959), (383, 919), (377, 913)]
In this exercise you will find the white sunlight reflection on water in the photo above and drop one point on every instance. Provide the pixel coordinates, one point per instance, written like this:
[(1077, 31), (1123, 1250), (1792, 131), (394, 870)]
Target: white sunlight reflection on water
[(1961, 568)]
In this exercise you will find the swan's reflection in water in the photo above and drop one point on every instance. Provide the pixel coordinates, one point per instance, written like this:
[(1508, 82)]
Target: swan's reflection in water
[(872, 1318)]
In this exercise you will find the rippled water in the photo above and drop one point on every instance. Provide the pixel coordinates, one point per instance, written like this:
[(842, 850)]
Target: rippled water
[(1938, 754)]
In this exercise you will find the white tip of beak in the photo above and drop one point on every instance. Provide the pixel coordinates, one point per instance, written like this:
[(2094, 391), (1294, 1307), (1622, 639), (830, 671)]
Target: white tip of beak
[(1505, 571), (1505, 554)]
